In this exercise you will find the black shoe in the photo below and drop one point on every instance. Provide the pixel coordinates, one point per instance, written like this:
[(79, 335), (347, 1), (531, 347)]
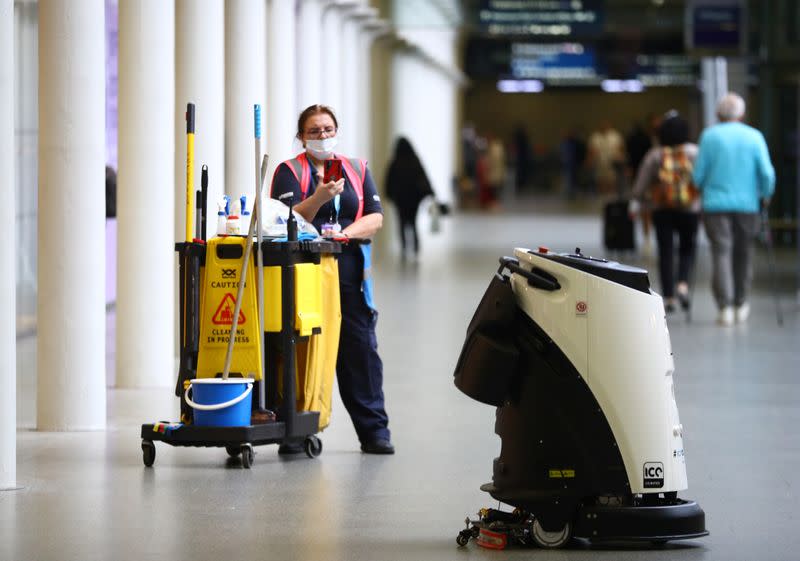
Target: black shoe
[(290, 448), (379, 446), (683, 299), (669, 307)]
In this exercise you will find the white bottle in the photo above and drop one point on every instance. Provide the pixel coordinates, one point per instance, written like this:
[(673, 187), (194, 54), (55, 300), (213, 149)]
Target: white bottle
[(221, 219), (244, 222), (233, 225)]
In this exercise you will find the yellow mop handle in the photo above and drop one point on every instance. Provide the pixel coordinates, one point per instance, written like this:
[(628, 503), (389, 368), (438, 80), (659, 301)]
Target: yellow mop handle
[(189, 171)]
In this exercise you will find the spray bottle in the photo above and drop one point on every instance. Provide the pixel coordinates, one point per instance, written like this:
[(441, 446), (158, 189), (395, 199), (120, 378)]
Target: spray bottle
[(291, 222), (233, 225), (221, 217), (244, 217)]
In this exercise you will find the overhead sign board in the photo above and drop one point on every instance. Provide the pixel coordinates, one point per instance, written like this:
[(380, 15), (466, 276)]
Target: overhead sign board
[(541, 17), (716, 27), (550, 61)]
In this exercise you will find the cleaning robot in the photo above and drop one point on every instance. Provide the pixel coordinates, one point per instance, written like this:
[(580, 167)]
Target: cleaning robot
[(575, 354)]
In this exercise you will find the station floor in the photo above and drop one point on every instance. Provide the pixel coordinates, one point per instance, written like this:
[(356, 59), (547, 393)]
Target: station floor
[(87, 496)]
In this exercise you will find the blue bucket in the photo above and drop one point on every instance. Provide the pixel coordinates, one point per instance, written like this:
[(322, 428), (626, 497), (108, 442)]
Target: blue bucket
[(221, 403)]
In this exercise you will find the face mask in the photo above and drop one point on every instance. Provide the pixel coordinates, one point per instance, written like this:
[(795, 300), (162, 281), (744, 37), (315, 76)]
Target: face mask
[(321, 148)]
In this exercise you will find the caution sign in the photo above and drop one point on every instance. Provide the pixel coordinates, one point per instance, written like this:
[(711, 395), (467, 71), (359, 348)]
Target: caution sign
[(224, 313), (223, 274)]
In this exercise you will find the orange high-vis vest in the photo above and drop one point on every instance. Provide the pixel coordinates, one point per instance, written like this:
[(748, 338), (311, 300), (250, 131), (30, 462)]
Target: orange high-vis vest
[(355, 170)]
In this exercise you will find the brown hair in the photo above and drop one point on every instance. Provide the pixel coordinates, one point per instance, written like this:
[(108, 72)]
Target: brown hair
[(310, 111)]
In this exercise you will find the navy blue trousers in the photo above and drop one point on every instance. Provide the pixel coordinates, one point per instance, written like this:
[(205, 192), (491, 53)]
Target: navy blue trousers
[(359, 368)]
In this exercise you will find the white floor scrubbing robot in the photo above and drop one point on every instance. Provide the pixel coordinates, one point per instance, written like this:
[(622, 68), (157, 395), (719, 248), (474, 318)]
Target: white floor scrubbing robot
[(575, 354)]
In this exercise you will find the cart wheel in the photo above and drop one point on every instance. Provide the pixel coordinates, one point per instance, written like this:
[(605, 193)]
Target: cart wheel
[(463, 537), (148, 452), (233, 451), (550, 540), (475, 531), (247, 455), (313, 446)]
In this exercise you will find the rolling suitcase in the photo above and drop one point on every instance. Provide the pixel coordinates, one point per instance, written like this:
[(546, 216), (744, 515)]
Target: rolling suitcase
[(618, 229)]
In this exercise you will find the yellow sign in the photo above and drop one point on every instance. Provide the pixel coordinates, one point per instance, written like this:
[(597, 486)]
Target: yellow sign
[(223, 273)]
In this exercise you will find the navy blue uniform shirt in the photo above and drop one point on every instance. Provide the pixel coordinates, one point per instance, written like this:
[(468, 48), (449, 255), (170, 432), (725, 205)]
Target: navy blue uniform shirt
[(351, 264)]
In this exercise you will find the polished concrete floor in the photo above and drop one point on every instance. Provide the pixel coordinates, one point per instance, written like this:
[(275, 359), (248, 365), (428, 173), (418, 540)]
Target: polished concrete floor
[(87, 496)]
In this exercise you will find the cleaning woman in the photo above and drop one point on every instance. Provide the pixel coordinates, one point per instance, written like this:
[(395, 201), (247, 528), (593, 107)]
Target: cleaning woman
[(347, 207)]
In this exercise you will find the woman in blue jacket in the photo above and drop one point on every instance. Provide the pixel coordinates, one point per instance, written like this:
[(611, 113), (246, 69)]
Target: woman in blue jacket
[(735, 177)]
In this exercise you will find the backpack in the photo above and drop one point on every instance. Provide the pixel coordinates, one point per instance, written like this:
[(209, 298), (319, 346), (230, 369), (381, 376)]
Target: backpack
[(675, 188)]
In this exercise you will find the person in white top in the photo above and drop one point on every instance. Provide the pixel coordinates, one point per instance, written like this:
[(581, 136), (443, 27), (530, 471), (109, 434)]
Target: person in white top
[(606, 157)]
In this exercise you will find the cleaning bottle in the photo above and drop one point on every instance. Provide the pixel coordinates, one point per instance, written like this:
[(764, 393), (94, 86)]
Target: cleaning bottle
[(221, 217), (232, 225), (244, 217)]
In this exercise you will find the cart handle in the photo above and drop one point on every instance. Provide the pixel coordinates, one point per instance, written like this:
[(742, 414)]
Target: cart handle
[(217, 406)]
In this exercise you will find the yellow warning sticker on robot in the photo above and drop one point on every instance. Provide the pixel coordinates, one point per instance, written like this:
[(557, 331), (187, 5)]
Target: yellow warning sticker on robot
[(562, 473)]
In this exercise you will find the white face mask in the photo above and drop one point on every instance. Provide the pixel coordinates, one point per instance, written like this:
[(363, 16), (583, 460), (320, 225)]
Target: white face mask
[(321, 148)]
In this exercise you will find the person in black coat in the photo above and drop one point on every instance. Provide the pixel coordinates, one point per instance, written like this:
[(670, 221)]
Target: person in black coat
[(406, 185)]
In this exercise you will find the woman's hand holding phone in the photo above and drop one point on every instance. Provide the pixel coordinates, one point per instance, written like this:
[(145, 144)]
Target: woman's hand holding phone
[(326, 191)]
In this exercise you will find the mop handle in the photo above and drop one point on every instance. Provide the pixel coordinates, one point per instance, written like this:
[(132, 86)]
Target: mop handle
[(257, 218), (240, 291), (203, 200), (189, 171)]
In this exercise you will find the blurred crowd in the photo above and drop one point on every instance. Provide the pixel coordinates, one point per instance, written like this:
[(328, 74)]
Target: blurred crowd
[(602, 162)]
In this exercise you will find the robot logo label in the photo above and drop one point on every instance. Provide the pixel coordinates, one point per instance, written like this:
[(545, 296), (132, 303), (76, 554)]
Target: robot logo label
[(581, 308), (653, 475)]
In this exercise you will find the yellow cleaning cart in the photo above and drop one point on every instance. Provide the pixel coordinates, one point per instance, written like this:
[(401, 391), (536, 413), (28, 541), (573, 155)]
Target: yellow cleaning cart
[(298, 343), (268, 328)]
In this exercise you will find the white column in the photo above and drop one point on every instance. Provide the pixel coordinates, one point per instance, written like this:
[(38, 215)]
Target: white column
[(380, 103), (309, 49), (8, 341), (371, 29), (145, 205), (200, 79), (282, 109), (351, 81), (245, 85), (71, 384), (415, 108), (331, 57), (714, 79)]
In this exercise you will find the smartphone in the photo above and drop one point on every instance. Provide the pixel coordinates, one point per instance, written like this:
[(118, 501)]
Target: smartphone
[(333, 170)]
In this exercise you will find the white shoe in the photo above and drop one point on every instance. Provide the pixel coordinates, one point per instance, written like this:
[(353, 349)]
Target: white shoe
[(742, 313), (725, 317)]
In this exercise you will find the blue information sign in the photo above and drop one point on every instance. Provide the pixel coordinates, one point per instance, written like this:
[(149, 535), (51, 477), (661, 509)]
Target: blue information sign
[(716, 26)]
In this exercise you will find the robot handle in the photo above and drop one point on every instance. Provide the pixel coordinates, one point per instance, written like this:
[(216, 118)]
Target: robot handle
[(536, 277)]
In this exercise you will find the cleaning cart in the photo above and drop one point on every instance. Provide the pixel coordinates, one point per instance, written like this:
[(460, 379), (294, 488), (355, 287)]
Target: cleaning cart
[(258, 337)]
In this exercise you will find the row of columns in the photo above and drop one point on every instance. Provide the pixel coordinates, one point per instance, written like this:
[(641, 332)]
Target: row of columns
[(222, 56), (170, 53)]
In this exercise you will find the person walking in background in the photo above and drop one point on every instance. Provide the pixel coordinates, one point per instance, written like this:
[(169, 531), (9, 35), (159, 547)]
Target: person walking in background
[(641, 139), (495, 173), (665, 175), (607, 157), (353, 204), (522, 155), (735, 177), (407, 185)]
